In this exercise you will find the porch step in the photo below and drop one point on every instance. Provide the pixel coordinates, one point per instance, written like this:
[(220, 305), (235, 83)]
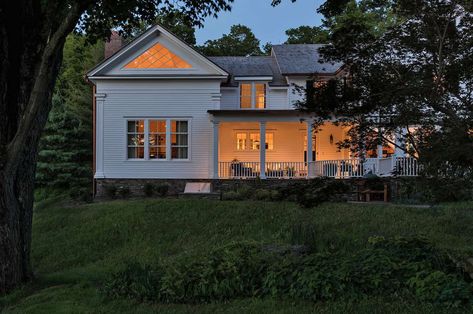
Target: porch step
[(200, 190)]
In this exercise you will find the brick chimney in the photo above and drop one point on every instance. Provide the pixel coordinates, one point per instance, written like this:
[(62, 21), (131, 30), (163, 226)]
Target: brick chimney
[(113, 44)]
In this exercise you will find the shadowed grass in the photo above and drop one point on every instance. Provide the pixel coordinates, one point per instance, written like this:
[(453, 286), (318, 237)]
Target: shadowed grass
[(75, 248)]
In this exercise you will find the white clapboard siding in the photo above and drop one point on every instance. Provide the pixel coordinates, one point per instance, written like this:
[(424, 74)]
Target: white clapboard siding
[(153, 99)]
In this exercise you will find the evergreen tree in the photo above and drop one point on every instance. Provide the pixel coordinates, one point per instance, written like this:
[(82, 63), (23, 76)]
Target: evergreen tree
[(65, 157), (307, 35)]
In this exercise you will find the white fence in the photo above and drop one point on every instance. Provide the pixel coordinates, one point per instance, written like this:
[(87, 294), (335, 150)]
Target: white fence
[(344, 168)]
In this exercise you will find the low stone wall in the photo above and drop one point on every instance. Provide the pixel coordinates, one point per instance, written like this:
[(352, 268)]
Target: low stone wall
[(177, 186)]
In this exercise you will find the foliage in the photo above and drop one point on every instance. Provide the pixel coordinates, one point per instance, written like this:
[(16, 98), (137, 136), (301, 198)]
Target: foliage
[(307, 35), (245, 270), (410, 65), (124, 192), (304, 234), (239, 42), (110, 190), (315, 191), (162, 190), (148, 189), (65, 156), (75, 247)]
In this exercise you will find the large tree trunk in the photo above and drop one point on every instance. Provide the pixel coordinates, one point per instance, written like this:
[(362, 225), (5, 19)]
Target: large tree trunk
[(31, 43)]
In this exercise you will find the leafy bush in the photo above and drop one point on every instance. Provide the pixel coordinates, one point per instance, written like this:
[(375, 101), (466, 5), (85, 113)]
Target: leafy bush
[(315, 191), (246, 270), (135, 281), (124, 192), (110, 191), (148, 189), (162, 190), (248, 193)]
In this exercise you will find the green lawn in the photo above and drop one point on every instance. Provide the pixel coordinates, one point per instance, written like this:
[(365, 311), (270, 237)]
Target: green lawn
[(76, 247)]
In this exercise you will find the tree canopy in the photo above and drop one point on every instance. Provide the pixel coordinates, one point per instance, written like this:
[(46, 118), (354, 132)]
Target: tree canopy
[(307, 35), (409, 65), (239, 42)]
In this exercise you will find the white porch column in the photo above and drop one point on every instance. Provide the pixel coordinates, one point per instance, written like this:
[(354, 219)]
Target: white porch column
[(99, 135), (262, 149), (215, 125), (400, 142), (309, 147)]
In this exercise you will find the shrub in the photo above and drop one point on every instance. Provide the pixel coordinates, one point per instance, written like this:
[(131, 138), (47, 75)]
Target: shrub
[(162, 190), (110, 191), (315, 191), (262, 195), (244, 270), (148, 189), (134, 282), (124, 192)]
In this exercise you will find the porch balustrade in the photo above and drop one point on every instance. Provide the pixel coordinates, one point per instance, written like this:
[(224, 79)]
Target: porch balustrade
[(340, 169)]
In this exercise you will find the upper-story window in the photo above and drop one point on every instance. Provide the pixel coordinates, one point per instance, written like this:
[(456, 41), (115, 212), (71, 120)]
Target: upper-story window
[(252, 95)]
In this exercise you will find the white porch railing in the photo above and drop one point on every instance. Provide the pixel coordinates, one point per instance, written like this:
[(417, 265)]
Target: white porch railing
[(341, 169)]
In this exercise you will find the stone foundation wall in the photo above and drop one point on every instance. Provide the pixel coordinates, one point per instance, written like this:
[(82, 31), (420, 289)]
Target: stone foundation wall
[(177, 186)]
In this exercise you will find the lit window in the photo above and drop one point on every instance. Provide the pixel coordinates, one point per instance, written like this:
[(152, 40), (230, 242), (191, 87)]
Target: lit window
[(157, 139), (245, 96), (255, 141), (158, 57), (136, 139), (260, 99), (179, 139), (241, 141), (252, 95)]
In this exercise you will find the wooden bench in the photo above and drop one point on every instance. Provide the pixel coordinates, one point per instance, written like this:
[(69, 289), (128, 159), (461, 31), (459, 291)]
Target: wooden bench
[(366, 194)]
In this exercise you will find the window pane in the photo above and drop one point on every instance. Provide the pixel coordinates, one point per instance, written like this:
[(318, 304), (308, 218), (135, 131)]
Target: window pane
[(260, 98), (157, 152), (179, 139), (179, 153), (178, 126), (269, 141), (241, 141), (137, 126), (245, 95), (157, 126), (254, 141), (136, 152), (136, 139), (157, 140)]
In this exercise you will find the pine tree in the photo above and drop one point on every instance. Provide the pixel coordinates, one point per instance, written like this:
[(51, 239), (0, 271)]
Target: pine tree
[(65, 157)]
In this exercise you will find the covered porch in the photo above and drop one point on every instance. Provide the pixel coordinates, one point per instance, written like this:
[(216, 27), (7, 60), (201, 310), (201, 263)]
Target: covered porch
[(239, 153)]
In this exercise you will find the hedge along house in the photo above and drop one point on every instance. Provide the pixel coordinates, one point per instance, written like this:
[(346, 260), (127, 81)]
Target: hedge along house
[(164, 111)]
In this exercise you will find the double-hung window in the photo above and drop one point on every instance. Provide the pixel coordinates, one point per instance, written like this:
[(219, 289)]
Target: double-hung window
[(167, 139), (253, 95), (242, 143), (136, 139)]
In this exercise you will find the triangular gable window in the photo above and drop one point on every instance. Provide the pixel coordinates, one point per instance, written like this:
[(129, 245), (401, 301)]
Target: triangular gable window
[(158, 57)]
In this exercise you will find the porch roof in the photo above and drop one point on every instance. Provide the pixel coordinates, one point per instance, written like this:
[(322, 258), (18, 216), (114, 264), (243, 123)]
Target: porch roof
[(259, 115)]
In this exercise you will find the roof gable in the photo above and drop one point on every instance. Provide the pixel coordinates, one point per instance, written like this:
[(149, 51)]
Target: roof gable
[(154, 54)]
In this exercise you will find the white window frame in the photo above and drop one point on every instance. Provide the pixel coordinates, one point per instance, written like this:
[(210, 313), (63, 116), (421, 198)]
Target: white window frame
[(253, 95), (168, 139), (248, 147), (127, 133)]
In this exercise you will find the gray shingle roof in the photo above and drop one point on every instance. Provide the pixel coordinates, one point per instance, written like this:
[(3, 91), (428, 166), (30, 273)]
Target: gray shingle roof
[(251, 66), (302, 59)]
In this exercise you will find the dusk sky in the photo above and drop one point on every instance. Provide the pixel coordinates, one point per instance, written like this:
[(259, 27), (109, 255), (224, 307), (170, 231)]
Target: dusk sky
[(267, 22)]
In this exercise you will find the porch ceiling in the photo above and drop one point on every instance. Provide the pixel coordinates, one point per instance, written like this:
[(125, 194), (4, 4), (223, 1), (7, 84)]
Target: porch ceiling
[(258, 115)]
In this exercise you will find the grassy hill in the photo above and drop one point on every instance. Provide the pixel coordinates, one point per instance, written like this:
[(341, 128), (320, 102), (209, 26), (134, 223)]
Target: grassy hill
[(76, 247)]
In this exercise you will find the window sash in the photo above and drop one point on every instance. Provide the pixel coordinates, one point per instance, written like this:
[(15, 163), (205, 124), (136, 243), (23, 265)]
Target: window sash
[(253, 95), (162, 139)]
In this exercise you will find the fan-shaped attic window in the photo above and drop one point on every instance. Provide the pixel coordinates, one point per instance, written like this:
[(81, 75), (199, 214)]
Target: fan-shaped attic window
[(158, 57)]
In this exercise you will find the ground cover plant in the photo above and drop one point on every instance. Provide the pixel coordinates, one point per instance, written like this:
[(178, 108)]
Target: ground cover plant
[(77, 249)]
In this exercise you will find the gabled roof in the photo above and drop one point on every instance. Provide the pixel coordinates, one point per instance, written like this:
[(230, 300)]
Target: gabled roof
[(113, 66), (302, 59)]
